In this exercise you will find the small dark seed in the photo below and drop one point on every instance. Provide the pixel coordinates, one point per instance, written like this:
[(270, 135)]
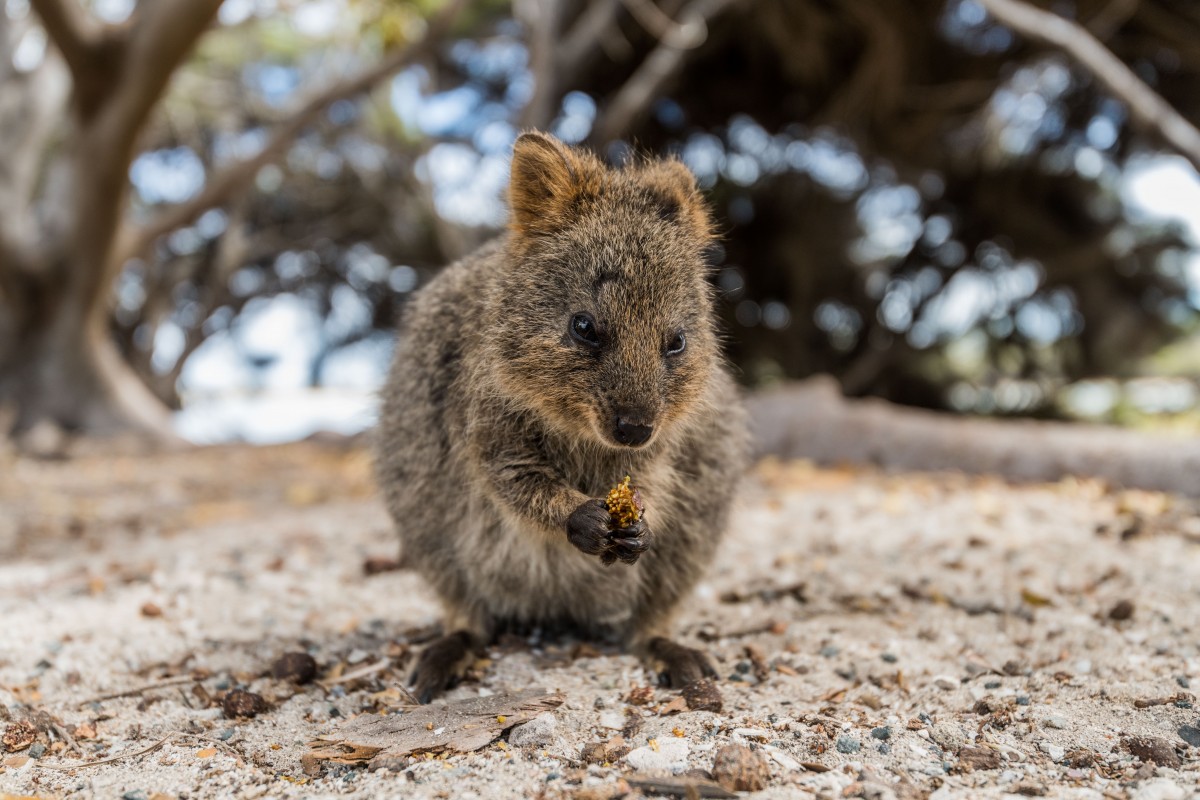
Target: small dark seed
[(240, 703), (295, 667)]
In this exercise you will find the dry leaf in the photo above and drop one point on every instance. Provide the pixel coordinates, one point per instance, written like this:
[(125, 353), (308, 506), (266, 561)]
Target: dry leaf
[(459, 727)]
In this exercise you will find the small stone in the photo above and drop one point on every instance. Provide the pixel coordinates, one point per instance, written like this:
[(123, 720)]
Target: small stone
[(226, 734), (848, 744), (703, 695), (1056, 722), (992, 685), (134, 794), (1183, 681), (670, 755), (1153, 749), (151, 610), (37, 750), (1055, 751), (538, 732), (948, 736), (18, 736), (884, 749), (357, 656), (240, 703), (881, 733), (599, 704), (742, 667), (829, 651), (945, 682), (1030, 789), (613, 720), (1190, 734), (1022, 700), (1121, 611), (296, 667), (1158, 789), (978, 758), (890, 658), (740, 769)]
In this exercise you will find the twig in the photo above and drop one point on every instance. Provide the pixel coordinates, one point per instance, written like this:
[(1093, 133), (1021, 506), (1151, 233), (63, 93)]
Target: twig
[(138, 690), (361, 672), (1145, 105), (110, 759), (659, 67), (66, 736)]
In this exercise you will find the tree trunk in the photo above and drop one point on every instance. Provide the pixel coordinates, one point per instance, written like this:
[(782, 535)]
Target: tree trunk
[(63, 366), (811, 419)]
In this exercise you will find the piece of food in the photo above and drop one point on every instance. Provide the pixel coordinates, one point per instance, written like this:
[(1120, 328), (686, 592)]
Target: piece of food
[(624, 504)]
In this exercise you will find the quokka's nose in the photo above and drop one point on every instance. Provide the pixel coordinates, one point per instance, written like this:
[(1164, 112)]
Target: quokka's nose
[(631, 433)]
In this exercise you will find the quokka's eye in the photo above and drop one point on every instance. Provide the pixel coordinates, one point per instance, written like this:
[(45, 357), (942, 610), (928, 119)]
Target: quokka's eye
[(677, 344), (583, 330)]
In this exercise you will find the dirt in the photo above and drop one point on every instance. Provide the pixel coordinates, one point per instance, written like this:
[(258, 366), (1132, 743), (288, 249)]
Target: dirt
[(880, 636)]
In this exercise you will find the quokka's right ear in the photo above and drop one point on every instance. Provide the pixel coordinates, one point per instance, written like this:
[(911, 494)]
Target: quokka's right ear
[(548, 180)]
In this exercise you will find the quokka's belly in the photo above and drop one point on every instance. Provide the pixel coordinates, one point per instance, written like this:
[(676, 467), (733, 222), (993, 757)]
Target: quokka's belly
[(525, 578)]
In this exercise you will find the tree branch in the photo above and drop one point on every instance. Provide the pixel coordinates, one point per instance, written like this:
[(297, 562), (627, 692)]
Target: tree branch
[(659, 67), (1145, 105), (223, 185), (74, 32)]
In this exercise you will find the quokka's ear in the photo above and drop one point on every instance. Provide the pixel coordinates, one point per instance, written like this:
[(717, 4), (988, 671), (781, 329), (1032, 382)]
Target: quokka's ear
[(548, 180), (673, 188)]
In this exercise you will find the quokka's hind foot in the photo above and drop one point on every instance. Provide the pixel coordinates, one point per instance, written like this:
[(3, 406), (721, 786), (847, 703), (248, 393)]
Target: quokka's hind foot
[(681, 665), (440, 665)]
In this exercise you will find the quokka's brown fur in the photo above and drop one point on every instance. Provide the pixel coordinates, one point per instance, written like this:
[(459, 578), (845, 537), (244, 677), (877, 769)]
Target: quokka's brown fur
[(496, 433)]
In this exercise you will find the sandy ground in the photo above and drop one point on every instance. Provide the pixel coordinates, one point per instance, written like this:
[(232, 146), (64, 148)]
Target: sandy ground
[(877, 635)]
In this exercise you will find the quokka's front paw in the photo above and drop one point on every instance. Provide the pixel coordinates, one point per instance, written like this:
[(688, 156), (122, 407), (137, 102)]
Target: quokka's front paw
[(590, 529)]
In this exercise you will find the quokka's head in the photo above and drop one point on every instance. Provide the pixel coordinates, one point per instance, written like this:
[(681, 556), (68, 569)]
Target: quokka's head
[(602, 317)]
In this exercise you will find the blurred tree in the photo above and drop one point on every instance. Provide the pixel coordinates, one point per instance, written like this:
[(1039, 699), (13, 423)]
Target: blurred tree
[(70, 134), (914, 199)]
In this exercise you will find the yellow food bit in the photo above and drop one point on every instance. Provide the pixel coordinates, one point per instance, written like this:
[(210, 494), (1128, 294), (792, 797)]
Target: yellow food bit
[(653, 743), (677, 731), (500, 718), (624, 504)]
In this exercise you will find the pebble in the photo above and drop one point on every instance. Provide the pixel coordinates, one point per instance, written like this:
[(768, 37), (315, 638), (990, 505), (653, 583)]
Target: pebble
[(882, 733), (37, 750), (134, 794), (1055, 751), (992, 685), (1158, 789), (613, 720), (890, 658), (1022, 699), (357, 656), (1183, 681), (848, 744), (1190, 734), (538, 732), (948, 736), (742, 667), (1056, 722), (1152, 749), (884, 749), (945, 682), (226, 734), (671, 755), (829, 651)]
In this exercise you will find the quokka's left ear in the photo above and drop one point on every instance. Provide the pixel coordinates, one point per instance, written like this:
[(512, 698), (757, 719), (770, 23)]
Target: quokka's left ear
[(679, 199), (548, 180)]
